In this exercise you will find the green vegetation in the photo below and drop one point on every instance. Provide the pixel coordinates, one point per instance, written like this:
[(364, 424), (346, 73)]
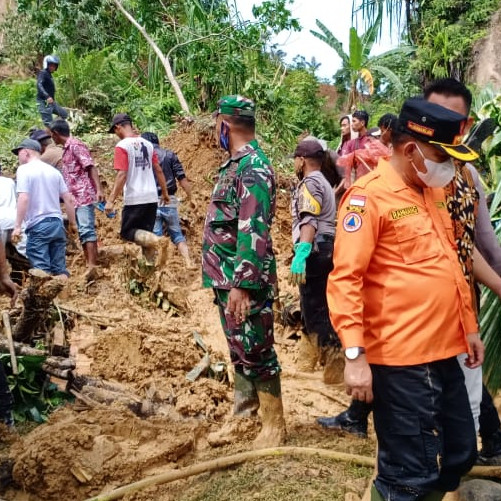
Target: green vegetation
[(34, 395)]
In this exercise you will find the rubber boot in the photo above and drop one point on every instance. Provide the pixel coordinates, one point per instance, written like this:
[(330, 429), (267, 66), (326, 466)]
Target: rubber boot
[(353, 420), (307, 354), (246, 399), (333, 359), (246, 405), (272, 432)]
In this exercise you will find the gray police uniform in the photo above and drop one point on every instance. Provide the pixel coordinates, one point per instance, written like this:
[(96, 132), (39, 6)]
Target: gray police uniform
[(314, 204)]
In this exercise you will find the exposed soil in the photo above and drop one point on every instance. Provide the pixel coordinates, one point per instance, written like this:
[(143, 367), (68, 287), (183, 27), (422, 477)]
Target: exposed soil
[(82, 452)]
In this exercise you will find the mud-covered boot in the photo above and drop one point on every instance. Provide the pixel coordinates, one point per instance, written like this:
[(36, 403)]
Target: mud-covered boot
[(490, 454), (307, 354), (353, 420), (245, 407), (333, 360), (272, 432), (246, 400)]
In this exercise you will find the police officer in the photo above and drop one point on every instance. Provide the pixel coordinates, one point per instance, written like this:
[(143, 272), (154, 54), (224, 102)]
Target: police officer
[(239, 264), (313, 228)]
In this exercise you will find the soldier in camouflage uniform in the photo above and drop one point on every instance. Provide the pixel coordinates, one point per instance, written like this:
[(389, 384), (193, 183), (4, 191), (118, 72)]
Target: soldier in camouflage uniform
[(239, 264)]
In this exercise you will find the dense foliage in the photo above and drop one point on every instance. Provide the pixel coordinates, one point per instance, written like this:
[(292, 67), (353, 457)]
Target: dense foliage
[(445, 31)]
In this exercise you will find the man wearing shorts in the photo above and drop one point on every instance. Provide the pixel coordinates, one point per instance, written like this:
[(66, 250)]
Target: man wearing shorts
[(136, 164)]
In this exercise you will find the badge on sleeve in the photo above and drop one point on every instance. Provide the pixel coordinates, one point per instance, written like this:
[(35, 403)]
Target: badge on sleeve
[(352, 222)]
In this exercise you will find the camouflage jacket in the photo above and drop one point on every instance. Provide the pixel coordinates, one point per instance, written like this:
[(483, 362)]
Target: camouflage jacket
[(237, 249)]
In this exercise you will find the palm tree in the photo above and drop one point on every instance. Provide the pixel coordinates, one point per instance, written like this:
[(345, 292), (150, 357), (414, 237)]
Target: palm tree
[(394, 8), (357, 65)]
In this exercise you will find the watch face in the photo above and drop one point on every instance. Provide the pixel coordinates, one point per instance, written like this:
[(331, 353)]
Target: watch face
[(352, 353)]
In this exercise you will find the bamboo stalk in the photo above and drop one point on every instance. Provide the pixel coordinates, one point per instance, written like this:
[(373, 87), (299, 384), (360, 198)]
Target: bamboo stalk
[(226, 462), (10, 342)]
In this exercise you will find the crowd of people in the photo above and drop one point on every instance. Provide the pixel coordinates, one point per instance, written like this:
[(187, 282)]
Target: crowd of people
[(392, 285), (391, 234)]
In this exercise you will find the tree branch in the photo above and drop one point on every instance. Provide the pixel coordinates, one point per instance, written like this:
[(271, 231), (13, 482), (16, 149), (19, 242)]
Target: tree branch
[(159, 53)]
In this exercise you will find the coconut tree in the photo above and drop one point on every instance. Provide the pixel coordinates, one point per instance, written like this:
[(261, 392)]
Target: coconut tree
[(401, 12), (358, 67)]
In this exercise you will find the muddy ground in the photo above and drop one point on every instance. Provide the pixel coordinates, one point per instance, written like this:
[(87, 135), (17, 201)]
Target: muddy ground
[(82, 451)]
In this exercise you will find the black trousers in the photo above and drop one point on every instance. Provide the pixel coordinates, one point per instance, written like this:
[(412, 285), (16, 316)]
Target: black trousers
[(313, 295), (425, 429), (137, 217)]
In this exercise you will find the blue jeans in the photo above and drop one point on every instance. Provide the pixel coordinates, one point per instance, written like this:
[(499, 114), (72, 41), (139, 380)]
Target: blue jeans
[(86, 223), (46, 246), (171, 218)]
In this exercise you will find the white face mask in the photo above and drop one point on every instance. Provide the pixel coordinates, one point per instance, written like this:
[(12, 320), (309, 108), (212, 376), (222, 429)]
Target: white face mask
[(438, 174)]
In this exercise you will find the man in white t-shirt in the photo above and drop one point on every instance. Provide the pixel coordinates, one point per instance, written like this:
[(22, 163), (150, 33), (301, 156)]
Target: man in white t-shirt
[(39, 187), (136, 164)]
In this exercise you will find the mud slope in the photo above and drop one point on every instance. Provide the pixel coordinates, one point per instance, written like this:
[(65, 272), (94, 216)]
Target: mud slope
[(84, 451)]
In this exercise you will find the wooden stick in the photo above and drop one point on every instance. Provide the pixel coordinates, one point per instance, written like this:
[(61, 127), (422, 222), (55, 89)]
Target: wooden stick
[(8, 334), (93, 317)]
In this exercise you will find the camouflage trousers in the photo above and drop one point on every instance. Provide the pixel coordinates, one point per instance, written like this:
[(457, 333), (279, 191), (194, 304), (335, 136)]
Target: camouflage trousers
[(251, 343)]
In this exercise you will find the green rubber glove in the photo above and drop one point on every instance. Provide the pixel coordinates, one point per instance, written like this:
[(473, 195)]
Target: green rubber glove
[(297, 273)]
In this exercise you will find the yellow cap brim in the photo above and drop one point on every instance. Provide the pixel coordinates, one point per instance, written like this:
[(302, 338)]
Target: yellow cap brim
[(459, 151)]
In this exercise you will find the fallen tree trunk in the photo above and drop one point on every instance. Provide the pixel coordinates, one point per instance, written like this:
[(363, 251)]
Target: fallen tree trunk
[(37, 298), (22, 349)]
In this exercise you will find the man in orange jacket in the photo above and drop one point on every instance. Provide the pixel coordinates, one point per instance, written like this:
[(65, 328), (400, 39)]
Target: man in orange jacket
[(402, 308)]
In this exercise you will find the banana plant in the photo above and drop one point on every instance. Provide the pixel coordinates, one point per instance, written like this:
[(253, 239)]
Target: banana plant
[(488, 105), (358, 67)]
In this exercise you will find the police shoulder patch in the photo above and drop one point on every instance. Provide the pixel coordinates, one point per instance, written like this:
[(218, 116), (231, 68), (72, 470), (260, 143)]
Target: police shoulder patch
[(352, 222), (307, 202)]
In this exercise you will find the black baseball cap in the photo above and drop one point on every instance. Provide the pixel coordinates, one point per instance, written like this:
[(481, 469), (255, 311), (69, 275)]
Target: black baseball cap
[(40, 135), (118, 119), (309, 148), (437, 126)]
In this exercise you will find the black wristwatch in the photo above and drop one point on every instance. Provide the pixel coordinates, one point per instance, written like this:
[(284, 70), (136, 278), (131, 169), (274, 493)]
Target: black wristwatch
[(354, 352)]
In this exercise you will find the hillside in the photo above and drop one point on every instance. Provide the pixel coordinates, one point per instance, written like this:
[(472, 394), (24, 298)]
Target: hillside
[(84, 451)]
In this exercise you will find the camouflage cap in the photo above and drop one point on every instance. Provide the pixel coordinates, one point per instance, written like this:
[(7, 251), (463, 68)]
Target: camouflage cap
[(235, 105)]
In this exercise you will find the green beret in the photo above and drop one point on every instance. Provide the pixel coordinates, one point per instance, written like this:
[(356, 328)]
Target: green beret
[(236, 106)]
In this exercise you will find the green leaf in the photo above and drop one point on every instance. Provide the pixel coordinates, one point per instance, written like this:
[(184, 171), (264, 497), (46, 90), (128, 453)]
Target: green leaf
[(356, 50), (328, 37)]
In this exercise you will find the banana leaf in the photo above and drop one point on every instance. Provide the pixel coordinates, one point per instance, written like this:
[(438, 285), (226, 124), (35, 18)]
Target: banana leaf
[(490, 315)]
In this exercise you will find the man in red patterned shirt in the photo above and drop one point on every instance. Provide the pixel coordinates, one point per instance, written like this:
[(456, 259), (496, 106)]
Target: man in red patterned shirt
[(82, 179)]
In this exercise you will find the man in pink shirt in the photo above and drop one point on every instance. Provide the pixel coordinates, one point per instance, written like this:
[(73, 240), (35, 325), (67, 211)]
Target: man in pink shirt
[(81, 177)]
